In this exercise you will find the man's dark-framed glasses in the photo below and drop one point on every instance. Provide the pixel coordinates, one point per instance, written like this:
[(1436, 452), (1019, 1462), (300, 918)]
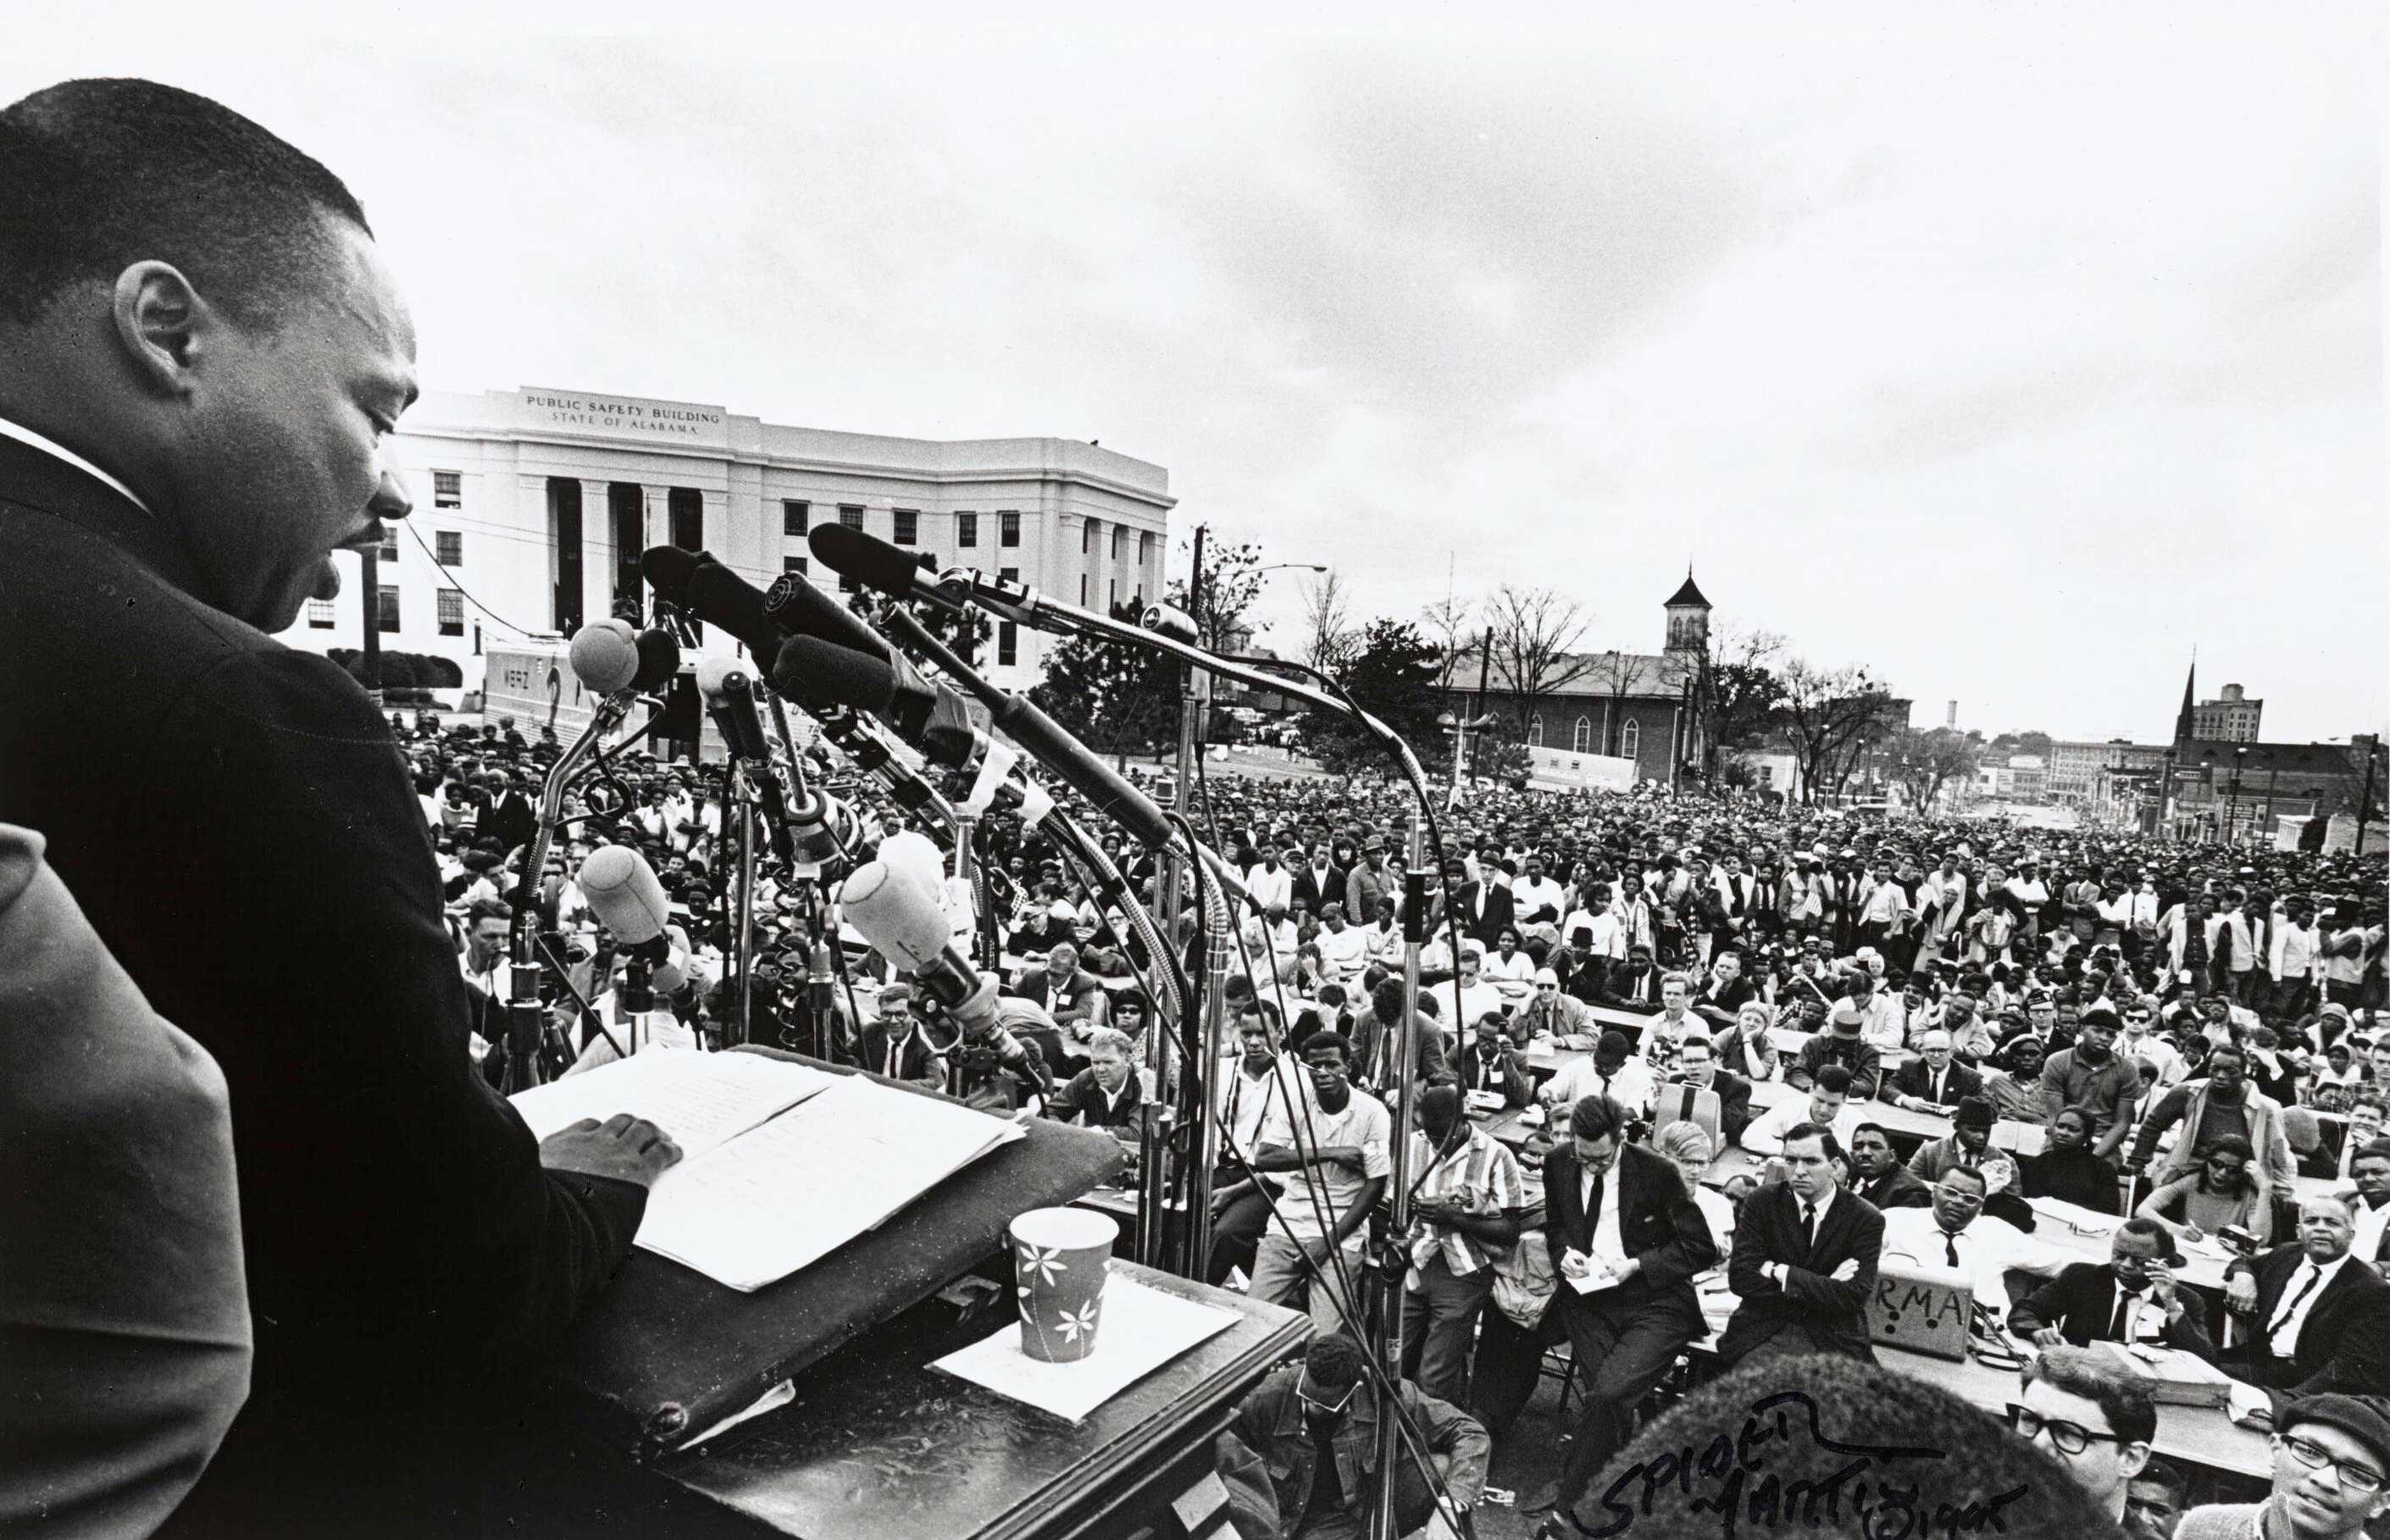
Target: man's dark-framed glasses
[(2354, 1474), (2070, 1438)]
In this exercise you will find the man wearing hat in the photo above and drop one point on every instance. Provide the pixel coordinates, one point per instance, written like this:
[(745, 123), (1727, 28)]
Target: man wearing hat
[(2093, 1077), (2330, 1454), (1967, 1145), (1841, 1044), (1370, 883)]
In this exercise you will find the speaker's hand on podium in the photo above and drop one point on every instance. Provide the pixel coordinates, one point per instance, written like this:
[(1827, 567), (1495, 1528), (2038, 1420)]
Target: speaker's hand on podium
[(623, 1147)]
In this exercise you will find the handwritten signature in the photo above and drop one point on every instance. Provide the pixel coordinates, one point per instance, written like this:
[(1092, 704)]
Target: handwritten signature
[(1739, 1492)]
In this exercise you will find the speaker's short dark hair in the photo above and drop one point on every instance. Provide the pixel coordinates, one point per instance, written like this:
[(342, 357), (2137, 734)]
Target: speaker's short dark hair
[(98, 175)]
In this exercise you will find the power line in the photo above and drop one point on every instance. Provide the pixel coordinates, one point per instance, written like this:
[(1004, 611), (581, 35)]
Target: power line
[(449, 579)]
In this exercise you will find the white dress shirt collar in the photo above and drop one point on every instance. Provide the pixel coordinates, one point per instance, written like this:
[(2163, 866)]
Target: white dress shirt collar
[(25, 435)]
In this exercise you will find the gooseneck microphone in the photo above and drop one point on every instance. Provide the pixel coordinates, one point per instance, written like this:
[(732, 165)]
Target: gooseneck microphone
[(627, 900), (729, 694), (904, 924)]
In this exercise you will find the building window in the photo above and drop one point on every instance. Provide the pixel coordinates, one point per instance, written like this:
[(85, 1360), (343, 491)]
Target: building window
[(792, 564), (1630, 738), (452, 612), (450, 546), (627, 509), (1007, 575), (1007, 643), (1581, 741), (908, 526), (850, 515), (1083, 590), (564, 554), (1535, 731), (389, 551), (319, 614), (389, 606), (1120, 540), (967, 529), (1087, 535), (1112, 596), (447, 488), (796, 517), (1144, 547), (1008, 530)]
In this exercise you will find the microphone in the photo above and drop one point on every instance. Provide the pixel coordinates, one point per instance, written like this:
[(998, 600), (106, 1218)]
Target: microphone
[(714, 594), (605, 655), (905, 926), (817, 674), (878, 565), (1177, 625), (627, 900), (730, 695), (807, 611)]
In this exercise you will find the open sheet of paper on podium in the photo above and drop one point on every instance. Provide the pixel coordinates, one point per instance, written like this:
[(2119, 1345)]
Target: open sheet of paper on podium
[(783, 1163)]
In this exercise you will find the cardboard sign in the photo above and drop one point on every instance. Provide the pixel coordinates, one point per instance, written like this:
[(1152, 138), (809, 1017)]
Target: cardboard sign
[(1923, 1309)]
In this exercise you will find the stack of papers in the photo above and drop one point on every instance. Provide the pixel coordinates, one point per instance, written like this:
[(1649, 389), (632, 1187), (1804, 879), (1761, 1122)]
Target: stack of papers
[(781, 1163), (2081, 1220)]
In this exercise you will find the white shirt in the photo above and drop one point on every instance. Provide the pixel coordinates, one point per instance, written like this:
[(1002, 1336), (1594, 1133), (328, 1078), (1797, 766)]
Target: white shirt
[(1270, 885), (1987, 1248), (2286, 1336), (1765, 1134), (51, 447), (1363, 1123), (1518, 967), (1631, 1087), (1606, 1244), (2371, 1223), (1246, 1101), (1818, 1212), (1343, 953), (1529, 895)]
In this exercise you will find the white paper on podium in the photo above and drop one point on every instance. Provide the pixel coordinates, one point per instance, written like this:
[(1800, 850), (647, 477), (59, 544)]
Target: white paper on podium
[(703, 1100), (1139, 1331)]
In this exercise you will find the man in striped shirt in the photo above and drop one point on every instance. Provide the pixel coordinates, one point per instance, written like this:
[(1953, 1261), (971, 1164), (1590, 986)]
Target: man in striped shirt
[(1466, 1200)]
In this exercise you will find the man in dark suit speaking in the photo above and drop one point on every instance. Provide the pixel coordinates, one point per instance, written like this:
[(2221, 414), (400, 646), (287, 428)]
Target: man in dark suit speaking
[(201, 355), (1805, 1259)]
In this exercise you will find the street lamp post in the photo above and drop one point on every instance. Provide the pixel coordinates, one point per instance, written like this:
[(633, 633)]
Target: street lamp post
[(1460, 727)]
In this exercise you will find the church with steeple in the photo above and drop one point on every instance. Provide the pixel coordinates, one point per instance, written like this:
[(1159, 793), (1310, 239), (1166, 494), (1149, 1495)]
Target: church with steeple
[(1625, 705)]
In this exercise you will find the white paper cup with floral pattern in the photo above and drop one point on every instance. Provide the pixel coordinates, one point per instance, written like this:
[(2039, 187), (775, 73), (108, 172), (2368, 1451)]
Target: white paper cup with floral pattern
[(1061, 1258)]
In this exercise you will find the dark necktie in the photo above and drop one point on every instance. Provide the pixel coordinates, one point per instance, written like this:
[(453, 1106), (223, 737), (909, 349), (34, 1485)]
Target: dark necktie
[(2117, 1329), (1593, 1211), (1950, 1247), (1809, 1226), (2291, 1304)]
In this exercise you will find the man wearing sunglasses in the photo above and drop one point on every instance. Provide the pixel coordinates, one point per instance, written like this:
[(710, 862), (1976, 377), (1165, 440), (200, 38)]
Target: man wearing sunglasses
[(2097, 1419), (2330, 1454)]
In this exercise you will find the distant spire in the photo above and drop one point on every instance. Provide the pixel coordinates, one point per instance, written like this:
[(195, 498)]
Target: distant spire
[(2184, 719)]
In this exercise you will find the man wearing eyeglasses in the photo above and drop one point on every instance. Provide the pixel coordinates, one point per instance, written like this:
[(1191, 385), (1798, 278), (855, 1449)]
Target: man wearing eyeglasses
[(2320, 1318), (2097, 1418), (2330, 1453)]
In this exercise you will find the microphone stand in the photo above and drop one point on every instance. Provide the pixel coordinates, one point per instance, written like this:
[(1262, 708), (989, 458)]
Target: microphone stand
[(1388, 1316), (526, 974)]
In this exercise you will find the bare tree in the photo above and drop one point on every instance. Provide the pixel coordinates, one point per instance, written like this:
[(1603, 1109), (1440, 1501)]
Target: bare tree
[(1925, 762), (1829, 714), (1736, 694), (1533, 634), (1328, 636), (1619, 672), (1446, 624)]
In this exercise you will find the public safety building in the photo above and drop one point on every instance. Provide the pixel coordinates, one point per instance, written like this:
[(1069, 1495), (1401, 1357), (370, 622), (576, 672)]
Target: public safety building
[(532, 508)]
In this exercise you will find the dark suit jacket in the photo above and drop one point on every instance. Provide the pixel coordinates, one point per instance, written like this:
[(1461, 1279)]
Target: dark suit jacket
[(124, 1324), (1628, 992), (513, 820), (242, 834), (914, 1061), (1913, 1079), (1371, 1048), (1320, 892), (2345, 1344), (1658, 1222), (1896, 1188), (1507, 1073), (2081, 1302), (1834, 1312)]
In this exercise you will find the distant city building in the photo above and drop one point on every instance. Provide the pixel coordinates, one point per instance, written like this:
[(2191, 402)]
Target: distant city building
[(2076, 765), (2231, 717), (532, 508), (2238, 790)]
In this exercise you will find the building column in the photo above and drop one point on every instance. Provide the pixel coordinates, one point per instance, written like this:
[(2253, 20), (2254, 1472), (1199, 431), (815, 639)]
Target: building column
[(596, 551)]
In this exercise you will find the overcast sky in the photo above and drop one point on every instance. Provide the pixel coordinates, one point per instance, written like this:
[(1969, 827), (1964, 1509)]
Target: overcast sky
[(2012, 352)]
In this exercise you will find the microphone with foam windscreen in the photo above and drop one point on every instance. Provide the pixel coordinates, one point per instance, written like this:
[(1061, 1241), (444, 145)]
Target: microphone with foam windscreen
[(905, 924), (605, 655), (624, 895)]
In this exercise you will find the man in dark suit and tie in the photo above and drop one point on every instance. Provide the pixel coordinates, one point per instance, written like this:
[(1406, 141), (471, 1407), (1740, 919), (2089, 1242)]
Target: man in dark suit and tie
[(1697, 1068), (1491, 1063), (1621, 1228), (1321, 883), (2319, 1318), (510, 818), (1878, 1176), (2132, 1297), (201, 352), (1805, 1259), (1932, 1080), (1634, 987)]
